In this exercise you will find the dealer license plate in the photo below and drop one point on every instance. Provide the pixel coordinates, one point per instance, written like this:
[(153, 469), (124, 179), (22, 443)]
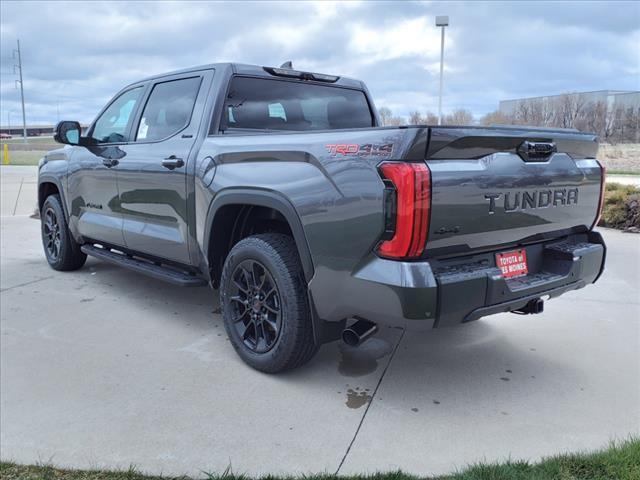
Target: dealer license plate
[(513, 263)]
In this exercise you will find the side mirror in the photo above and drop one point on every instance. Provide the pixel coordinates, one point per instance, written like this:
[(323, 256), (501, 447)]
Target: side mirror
[(67, 132)]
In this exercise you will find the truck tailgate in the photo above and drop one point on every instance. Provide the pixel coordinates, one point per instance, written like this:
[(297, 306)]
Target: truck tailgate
[(505, 186)]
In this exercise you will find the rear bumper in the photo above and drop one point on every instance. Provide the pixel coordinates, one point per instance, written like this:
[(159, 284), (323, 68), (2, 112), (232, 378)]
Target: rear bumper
[(481, 290), (423, 295)]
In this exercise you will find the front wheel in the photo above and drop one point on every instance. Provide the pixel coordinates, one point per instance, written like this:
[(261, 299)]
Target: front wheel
[(61, 250), (264, 303)]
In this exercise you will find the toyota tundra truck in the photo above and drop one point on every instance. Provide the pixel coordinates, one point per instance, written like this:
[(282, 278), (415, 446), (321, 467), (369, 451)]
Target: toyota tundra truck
[(281, 189)]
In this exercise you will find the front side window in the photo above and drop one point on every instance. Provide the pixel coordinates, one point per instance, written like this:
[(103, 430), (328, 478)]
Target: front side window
[(259, 103), (113, 124), (168, 109)]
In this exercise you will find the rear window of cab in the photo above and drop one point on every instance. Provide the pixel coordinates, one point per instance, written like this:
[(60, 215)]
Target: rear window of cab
[(266, 104)]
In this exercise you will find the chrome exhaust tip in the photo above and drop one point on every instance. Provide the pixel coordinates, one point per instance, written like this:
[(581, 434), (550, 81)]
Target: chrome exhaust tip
[(358, 332)]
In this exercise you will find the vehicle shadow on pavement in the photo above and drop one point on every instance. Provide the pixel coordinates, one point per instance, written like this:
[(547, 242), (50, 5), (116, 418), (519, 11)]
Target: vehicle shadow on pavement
[(474, 361)]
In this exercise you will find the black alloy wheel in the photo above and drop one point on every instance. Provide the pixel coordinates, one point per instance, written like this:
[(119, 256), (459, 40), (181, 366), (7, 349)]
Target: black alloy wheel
[(51, 233), (265, 303), (62, 251), (255, 306)]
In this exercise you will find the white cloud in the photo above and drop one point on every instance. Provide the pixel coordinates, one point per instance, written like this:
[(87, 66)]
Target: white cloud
[(412, 37), (79, 54)]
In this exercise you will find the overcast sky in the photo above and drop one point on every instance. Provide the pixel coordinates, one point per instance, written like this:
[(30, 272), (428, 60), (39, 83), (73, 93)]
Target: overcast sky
[(77, 55)]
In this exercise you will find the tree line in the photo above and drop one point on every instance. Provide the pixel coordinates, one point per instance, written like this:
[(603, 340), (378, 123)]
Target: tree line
[(457, 117), (613, 124)]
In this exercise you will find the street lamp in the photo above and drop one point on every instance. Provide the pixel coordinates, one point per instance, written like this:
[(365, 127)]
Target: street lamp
[(441, 21)]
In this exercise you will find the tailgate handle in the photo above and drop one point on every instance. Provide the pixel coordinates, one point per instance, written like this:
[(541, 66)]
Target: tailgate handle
[(536, 151)]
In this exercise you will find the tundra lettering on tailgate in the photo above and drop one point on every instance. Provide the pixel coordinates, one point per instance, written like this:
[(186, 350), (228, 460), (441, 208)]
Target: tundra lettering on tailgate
[(527, 200)]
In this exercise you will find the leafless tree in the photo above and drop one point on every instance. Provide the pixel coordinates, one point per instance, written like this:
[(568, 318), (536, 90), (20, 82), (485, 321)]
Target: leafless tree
[(416, 118), (495, 118), (460, 116), (630, 132), (540, 112), (612, 124), (523, 113), (463, 117), (592, 118), (430, 119), (385, 114), (568, 108), (387, 118), (396, 121)]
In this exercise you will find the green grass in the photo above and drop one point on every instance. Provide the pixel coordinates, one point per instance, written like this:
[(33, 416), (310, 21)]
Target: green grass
[(620, 461), (30, 140), (22, 158), (622, 172)]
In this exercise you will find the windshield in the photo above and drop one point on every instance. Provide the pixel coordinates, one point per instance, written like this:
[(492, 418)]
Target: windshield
[(259, 103)]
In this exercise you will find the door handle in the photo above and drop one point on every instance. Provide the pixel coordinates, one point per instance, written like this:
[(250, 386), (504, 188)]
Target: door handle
[(172, 162), (110, 162)]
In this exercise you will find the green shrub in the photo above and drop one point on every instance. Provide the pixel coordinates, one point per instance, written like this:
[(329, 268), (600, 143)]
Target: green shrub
[(621, 207)]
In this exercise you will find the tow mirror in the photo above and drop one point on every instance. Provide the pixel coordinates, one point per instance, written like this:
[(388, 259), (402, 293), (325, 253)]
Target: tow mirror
[(68, 132)]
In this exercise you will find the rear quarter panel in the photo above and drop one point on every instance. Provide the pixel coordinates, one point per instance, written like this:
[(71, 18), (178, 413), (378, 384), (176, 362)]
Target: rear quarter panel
[(338, 198)]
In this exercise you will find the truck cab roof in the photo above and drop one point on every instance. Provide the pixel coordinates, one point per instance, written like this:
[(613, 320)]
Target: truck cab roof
[(260, 71)]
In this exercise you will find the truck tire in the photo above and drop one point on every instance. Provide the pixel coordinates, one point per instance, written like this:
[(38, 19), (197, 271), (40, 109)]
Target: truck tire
[(264, 303), (61, 250)]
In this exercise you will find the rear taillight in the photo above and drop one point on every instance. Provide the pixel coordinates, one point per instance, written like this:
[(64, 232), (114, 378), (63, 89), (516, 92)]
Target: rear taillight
[(603, 178), (412, 183)]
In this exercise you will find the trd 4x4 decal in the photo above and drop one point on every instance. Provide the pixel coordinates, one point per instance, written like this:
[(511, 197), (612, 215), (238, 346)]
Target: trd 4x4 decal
[(366, 150)]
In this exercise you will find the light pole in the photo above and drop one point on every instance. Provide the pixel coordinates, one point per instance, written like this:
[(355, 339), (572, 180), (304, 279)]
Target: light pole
[(441, 21), (18, 56)]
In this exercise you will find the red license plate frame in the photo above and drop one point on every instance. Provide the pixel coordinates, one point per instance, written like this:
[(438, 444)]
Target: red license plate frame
[(513, 263)]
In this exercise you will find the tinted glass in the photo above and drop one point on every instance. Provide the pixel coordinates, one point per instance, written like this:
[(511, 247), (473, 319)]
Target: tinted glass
[(112, 126), (283, 105), (168, 109)]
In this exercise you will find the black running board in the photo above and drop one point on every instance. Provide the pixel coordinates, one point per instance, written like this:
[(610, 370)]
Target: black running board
[(159, 272)]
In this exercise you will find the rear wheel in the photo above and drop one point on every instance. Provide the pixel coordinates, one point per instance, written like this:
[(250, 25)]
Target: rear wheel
[(264, 303), (61, 250)]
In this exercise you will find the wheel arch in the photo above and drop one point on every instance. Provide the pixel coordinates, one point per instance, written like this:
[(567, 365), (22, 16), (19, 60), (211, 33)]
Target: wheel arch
[(243, 198), (50, 186)]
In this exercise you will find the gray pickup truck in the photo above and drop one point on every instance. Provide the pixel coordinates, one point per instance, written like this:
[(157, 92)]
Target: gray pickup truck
[(280, 189)]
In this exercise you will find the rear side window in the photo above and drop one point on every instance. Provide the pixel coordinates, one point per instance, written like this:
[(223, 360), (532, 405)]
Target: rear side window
[(168, 109), (259, 103)]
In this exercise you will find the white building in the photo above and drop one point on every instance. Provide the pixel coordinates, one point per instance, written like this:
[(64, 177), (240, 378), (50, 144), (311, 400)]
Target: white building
[(612, 98)]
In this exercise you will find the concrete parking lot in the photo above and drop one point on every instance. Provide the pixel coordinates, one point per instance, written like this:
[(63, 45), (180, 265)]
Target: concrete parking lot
[(105, 368), (18, 190)]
